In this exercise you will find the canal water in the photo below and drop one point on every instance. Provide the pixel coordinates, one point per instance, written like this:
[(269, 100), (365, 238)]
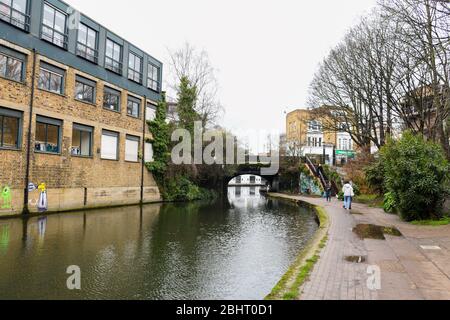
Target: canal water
[(235, 249)]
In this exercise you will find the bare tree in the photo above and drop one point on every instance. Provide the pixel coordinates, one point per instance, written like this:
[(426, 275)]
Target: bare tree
[(195, 65)]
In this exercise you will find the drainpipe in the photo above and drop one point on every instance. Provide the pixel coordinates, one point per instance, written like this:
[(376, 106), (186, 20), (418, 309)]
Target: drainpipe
[(26, 210), (144, 123)]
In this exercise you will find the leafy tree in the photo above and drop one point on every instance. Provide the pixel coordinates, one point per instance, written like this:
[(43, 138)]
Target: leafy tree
[(415, 176), (187, 97)]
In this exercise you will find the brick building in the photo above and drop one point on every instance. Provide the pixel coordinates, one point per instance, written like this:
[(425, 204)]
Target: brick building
[(74, 100), (306, 133)]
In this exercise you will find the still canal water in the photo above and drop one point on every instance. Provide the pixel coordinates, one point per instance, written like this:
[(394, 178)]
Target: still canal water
[(175, 251)]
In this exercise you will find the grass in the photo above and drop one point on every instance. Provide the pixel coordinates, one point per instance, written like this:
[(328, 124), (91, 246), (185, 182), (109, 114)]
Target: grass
[(372, 200), (288, 288), (435, 223)]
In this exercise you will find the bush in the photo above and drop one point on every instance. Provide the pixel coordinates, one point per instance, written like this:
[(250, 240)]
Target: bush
[(375, 176), (389, 203), (182, 189), (415, 177)]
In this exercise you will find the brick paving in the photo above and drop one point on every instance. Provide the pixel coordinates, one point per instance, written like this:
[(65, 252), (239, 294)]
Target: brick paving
[(408, 272)]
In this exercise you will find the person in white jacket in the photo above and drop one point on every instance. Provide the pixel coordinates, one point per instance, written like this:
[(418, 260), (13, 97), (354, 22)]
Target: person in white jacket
[(348, 195)]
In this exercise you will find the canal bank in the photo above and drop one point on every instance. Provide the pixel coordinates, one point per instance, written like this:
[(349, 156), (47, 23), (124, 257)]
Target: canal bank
[(412, 266), (288, 287)]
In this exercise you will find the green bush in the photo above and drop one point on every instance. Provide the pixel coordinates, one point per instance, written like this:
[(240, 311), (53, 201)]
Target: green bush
[(182, 189), (389, 203), (375, 176), (415, 177)]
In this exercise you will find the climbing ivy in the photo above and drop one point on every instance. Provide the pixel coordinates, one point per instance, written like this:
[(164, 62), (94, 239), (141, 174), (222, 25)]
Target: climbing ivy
[(161, 140)]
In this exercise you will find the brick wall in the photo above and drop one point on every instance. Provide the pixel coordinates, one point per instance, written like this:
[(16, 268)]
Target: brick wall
[(70, 180)]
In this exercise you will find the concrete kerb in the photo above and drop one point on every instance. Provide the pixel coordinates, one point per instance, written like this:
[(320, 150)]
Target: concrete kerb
[(288, 288)]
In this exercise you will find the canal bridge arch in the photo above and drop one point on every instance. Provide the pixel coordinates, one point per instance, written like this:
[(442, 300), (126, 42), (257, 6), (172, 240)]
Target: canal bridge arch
[(272, 180)]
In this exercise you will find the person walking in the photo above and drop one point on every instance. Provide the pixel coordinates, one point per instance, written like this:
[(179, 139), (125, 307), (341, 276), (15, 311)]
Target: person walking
[(348, 195), (328, 191)]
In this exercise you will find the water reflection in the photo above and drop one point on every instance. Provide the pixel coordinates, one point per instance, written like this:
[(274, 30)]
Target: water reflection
[(173, 251)]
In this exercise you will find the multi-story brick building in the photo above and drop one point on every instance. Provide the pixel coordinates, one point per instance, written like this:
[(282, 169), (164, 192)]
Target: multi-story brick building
[(306, 135), (74, 100)]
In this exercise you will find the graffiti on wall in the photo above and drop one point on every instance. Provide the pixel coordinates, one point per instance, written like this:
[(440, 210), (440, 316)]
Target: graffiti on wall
[(6, 198)]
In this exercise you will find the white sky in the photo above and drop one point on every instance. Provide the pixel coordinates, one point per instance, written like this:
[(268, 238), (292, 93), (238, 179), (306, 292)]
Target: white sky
[(265, 51)]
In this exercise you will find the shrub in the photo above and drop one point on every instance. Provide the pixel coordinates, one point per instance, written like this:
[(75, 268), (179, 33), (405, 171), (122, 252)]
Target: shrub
[(389, 202), (375, 176), (415, 175)]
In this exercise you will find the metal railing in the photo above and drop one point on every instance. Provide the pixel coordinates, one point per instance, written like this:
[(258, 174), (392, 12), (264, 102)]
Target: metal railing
[(48, 34), (113, 65), (15, 17), (87, 53)]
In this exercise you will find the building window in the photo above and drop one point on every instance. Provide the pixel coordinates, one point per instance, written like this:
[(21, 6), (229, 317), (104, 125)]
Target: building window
[(85, 90), (133, 107), (113, 56), (110, 145), (51, 78), (131, 148), (81, 140), (148, 156), (135, 68), (15, 13), (11, 68), (10, 122), (150, 112), (54, 26), (48, 135), (87, 43), (111, 99), (153, 77)]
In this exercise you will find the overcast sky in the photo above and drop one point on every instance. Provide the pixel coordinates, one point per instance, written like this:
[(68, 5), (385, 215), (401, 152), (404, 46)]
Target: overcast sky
[(265, 51)]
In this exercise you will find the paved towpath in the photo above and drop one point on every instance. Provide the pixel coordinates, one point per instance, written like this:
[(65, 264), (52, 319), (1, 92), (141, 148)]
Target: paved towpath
[(414, 266)]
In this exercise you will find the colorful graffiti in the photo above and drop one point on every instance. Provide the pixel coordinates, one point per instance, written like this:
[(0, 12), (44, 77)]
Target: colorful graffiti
[(7, 198)]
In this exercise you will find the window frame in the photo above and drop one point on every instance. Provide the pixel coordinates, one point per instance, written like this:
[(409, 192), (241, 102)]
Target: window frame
[(152, 107), (83, 128), (133, 138), (150, 80), (83, 52), (86, 83), (145, 152), (55, 71), (4, 112), (120, 63), (110, 91), (64, 34), (134, 71), (25, 25), (22, 70), (53, 122), (139, 103), (111, 134)]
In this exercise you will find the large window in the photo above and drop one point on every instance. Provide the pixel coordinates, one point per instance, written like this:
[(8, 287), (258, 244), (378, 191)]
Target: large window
[(48, 135), (85, 90), (81, 140), (110, 145), (15, 13), (153, 77), (113, 56), (11, 68), (148, 157), (150, 112), (135, 68), (54, 26), (132, 148), (111, 99), (51, 78), (133, 107), (10, 122), (87, 43)]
